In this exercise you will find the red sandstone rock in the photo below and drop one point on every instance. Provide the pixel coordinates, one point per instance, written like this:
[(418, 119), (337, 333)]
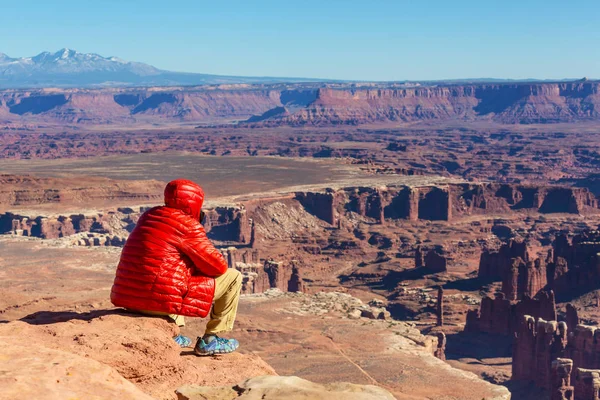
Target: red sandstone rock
[(440, 307), (572, 317), (537, 344), (295, 283), (336, 104), (440, 350), (561, 388), (502, 316), (436, 262), (587, 384), (495, 264)]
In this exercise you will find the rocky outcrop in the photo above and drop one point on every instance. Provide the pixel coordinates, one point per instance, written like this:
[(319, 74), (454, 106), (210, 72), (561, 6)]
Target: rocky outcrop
[(139, 349), (228, 224), (322, 205), (501, 316), (543, 349), (439, 312), (436, 261), (537, 344), (117, 222), (561, 388), (111, 228), (22, 191), (259, 278), (524, 279), (572, 317), (587, 384), (575, 264), (284, 387), (45, 373), (494, 264), (440, 351), (296, 284)]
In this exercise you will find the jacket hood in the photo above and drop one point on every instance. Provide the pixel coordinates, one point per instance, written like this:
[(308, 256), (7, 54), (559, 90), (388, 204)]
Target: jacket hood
[(186, 196)]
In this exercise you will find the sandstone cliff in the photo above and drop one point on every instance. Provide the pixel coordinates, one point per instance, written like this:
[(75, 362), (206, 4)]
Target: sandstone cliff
[(314, 104)]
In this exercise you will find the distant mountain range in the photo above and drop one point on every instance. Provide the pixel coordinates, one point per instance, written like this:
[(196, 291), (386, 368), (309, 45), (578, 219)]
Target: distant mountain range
[(69, 68)]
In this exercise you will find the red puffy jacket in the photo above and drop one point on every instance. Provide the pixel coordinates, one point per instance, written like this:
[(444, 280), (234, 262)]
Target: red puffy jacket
[(168, 264)]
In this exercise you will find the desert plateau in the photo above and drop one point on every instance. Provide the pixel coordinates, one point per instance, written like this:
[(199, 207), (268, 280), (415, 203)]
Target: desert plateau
[(463, 245)]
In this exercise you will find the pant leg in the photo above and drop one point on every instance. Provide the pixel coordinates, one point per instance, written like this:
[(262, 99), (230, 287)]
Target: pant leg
[(225, 303)]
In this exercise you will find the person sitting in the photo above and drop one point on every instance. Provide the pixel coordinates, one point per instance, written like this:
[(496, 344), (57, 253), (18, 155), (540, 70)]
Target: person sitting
[(169, 267)]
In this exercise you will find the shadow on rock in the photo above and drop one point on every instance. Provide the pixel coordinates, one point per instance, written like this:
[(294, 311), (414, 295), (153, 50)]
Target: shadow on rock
[(525, 391), (463, 345), (467, 285), (53, 317)]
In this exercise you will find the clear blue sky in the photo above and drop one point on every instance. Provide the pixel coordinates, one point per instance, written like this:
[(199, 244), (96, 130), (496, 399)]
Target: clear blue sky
[(345, 39)]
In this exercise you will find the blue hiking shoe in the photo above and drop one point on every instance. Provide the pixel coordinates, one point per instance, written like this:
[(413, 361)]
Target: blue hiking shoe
[(215, 345), (183, 341)]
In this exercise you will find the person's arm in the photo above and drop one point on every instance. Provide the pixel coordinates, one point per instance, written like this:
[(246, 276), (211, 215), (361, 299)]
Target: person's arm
[(206, 258)]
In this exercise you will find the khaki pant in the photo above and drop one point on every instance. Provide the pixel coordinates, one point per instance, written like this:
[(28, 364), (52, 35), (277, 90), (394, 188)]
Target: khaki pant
[(225, 304)]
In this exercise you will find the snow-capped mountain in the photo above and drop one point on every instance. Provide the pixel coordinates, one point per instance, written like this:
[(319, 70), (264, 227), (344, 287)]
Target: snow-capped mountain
[(69, 68)]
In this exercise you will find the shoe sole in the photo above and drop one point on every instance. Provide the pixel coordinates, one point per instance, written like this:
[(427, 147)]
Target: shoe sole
[(212, 353)]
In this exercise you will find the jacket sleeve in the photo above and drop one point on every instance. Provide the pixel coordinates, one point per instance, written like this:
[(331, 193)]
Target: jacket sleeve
[(206, 258)]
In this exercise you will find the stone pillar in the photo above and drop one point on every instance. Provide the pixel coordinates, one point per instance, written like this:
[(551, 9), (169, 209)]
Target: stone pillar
[(440, 307), (413, 204), (510, 280), (419, 257), (295, 284), (587, 384), (440, 351), (231, 257), (572, 317), (252, 234), (561, 388), (381, 208)]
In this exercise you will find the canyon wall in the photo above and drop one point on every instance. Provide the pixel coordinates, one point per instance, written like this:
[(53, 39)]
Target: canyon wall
[(444, 202), (316, 104), (20, 191), (234, 224), (225, 224)]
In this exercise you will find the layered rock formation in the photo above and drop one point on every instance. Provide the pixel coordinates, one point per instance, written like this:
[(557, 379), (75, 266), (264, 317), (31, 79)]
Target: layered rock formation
[(258, 278), (537, 344), (116, 345), (22, 191), (561, 388), (53, 374), (502, 316), (226, 224), (444, 202), (587, 384), (512, 103), (315, 104), (568, 365), (575, 265), (572, 265)]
